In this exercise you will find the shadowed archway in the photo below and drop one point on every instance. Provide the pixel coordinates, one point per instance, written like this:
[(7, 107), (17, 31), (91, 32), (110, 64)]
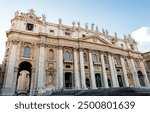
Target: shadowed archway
[(23, 82)]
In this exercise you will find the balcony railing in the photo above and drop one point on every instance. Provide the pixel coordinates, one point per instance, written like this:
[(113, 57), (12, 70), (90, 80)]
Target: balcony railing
[(68, 61), (97, 63), (118, 65)]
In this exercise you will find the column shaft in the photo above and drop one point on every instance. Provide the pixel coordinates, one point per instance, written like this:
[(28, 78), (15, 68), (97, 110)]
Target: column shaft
[(60, 67), (41, 69), (124, 72), (134, 73), (104, 72), (11, 66), (83, 85), (76, 70), (113, 71), (93, 82), (145, 74)]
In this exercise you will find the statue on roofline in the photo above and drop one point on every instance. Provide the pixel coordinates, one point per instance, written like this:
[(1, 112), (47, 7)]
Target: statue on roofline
[(43, 17), (60, 21), (31, 11), (17, 13)]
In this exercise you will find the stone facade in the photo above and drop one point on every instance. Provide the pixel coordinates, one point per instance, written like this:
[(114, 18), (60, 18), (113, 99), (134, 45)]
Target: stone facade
[(1, 76), (42, 56), (146, 57)]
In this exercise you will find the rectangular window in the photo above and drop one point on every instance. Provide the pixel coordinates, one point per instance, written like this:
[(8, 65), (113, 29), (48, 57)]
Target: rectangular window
[(132, 47), (29, 27), (51, 31), (83, 35), (85, 67), (67, 66), (67, 33)]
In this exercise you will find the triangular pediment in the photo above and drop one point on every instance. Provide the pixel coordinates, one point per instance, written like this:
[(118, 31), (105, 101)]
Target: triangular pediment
[(95, 39)]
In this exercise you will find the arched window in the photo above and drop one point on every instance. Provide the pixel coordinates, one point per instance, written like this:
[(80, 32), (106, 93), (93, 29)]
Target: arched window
[(117, 60), (126, 62), (85, 57), (51, 52), (94, 58), (136, 63), (27, 52), (141, 78), (105, 59), (67, 55)]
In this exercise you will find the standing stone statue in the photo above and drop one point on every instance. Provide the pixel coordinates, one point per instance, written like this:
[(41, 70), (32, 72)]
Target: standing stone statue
[(78, 24), (73, 23), (86, 25), (106, 34), (43, 17), (31, 11), (60, 21), (115, 34), (17, 13), (97, 29), (125, 36), (103, 31), (92, 26)]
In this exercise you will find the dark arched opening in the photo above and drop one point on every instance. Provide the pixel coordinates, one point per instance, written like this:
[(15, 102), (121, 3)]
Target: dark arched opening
[(141, 78), (87, 83), (68, 80), (23, 82), (120, 81), (98, 80), (109, 82)]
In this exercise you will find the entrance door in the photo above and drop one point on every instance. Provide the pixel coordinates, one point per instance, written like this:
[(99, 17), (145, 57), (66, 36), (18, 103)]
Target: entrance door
[(87, 83), (120, 80), (98, 80), (141, 78), (23, 81), (68, 80)]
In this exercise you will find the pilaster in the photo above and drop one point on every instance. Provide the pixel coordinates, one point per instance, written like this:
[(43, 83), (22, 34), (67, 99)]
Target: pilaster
[(134, 73), (113, 71), (124, 71), (104, 71), (76, 71), (93, 82), (83, 85)]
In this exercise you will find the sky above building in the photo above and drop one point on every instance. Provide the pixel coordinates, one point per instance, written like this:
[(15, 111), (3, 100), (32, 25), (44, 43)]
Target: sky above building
[(121, 16)]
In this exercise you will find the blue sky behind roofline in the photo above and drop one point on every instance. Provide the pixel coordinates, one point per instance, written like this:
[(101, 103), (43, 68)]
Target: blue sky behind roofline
[(121, 16)]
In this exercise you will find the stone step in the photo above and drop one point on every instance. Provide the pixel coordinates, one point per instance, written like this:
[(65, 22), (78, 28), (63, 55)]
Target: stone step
[(124, 91)]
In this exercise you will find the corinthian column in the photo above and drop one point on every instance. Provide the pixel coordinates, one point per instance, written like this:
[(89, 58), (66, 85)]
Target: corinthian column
[(92, 71), (113, 71), (8, 85), (76, 70), (135, 75), (145, 74), (83, 85), (124, 72), (104, 72), (41, 69), (60, 67)]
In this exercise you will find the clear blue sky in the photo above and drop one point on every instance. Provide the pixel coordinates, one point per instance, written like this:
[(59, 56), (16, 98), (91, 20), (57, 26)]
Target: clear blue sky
[(121, 16)]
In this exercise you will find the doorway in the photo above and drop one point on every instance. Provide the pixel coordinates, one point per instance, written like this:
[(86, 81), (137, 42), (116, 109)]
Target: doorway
[(98, 80), (120, 81), (23, 81), (68, 80)]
